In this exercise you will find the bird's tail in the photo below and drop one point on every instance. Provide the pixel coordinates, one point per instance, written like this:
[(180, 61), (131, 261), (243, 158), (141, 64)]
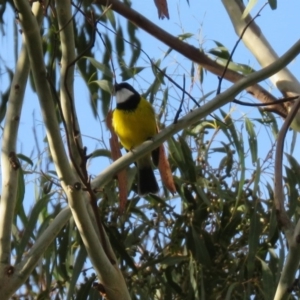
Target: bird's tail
[(147, 183)]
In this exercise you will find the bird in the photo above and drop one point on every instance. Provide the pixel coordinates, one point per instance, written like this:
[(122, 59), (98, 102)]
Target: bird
[(134, 122)]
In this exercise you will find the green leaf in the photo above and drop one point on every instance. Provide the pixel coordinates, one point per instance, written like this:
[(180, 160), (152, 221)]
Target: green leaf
[(136, 52), (104, 85), (233, 133), (194, 290), (175, 153), (253, 239), (131, 29), (20, 197), (257, 178), (63, 251), (201, 195), (4, 97), (164, 102), (273, 4), (128, 73), (116, 241), (294, 164), (293, 142), (171, 282), (120, 42), (185, 36), (269, 119), (252, 139), (201, 127), (273, 261), (85, 289), (167, 52), (220, 52), (109, 14), (196, 244), (273, 233), (40, 205), (229, 223), (268, 280), (173, 260), (134, 236), (77, 269), (241, 182), (292, 180), (189, 163), (230, 290), (241, 68), (100, 66)]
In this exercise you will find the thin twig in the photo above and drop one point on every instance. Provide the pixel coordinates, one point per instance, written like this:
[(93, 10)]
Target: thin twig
[(235, 46), (284, 100), (188, 51), (282, 217), (82, 170), (181, 102)]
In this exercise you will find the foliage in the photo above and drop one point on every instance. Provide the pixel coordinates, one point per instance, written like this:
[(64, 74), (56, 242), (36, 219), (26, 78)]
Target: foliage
[(217, 238)]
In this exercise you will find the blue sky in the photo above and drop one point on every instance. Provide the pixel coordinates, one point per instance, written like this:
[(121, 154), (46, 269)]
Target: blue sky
[(206, 20)]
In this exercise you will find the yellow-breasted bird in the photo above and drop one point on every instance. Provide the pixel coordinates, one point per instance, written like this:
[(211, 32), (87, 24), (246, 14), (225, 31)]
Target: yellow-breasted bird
[(134, 123)]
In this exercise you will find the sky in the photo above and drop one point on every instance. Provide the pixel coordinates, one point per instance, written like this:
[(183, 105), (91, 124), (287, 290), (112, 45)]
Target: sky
[(206, 20)]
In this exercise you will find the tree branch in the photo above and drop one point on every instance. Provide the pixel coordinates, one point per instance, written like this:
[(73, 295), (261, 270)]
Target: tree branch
[(66, 33), (107, 175), (23, 270), (69, 116), (190, 52), (109, 274), (293, 236), (196, 115), (9, 162), (255, 41), (77, 200), (10, 169), (284, 221)]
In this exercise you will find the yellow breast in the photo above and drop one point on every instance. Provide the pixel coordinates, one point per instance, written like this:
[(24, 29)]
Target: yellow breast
[(135, 127)]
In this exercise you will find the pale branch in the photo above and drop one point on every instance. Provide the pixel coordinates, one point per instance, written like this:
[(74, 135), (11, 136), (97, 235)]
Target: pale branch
[(76, 199), (191, 118), (286, 82), (9, 162), (66, 33), (31, 33), (291, 266), (293, 236), (22, 271), (194, 116), (258, 45), (109, 274), (191, 52), (68, 112)]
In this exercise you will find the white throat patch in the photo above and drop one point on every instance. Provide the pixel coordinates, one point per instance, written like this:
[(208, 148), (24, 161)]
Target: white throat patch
[(123, 95)]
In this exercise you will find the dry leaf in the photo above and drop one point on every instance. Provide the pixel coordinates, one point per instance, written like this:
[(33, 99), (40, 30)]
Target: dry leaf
[(162, 9), (116, 153), (165, 170)]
